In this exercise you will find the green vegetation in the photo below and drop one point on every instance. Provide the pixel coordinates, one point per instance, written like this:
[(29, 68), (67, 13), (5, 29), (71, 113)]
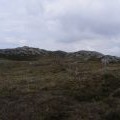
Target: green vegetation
[(55, 88)]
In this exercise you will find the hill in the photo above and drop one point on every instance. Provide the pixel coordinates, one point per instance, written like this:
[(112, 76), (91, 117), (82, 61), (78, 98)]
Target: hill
[(29, 53), (56, 85)]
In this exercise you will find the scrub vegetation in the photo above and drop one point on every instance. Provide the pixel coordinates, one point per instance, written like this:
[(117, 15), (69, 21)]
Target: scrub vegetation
[(56, 88)]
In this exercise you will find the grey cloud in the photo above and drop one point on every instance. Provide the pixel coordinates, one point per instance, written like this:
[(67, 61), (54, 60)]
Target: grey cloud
[(65, 24)]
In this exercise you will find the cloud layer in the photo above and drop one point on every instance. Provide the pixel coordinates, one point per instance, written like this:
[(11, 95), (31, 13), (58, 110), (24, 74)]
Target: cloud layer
[(68, 25)]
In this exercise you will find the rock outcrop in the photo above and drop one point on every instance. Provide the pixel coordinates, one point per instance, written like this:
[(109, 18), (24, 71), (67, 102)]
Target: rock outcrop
[(23, 51)]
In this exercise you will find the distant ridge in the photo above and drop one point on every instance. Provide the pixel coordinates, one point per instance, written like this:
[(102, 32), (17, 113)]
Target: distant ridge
[(31, 53)]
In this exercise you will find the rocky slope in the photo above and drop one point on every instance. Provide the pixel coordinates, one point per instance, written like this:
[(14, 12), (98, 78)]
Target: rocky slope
[(32, 52), (22, 51)]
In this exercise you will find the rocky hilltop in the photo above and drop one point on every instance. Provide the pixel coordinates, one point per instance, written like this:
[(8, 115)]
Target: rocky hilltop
[(22, 51), (30, 52)]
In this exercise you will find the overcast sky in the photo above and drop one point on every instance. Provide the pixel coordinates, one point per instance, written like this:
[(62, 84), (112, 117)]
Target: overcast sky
[(69, 25)]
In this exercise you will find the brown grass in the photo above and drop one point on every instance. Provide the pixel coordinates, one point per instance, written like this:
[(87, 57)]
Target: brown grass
[(59, 89)]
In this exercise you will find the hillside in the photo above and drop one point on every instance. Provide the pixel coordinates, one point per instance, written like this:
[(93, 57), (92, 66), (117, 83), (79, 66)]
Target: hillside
[(56, 85), (30, 53)]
